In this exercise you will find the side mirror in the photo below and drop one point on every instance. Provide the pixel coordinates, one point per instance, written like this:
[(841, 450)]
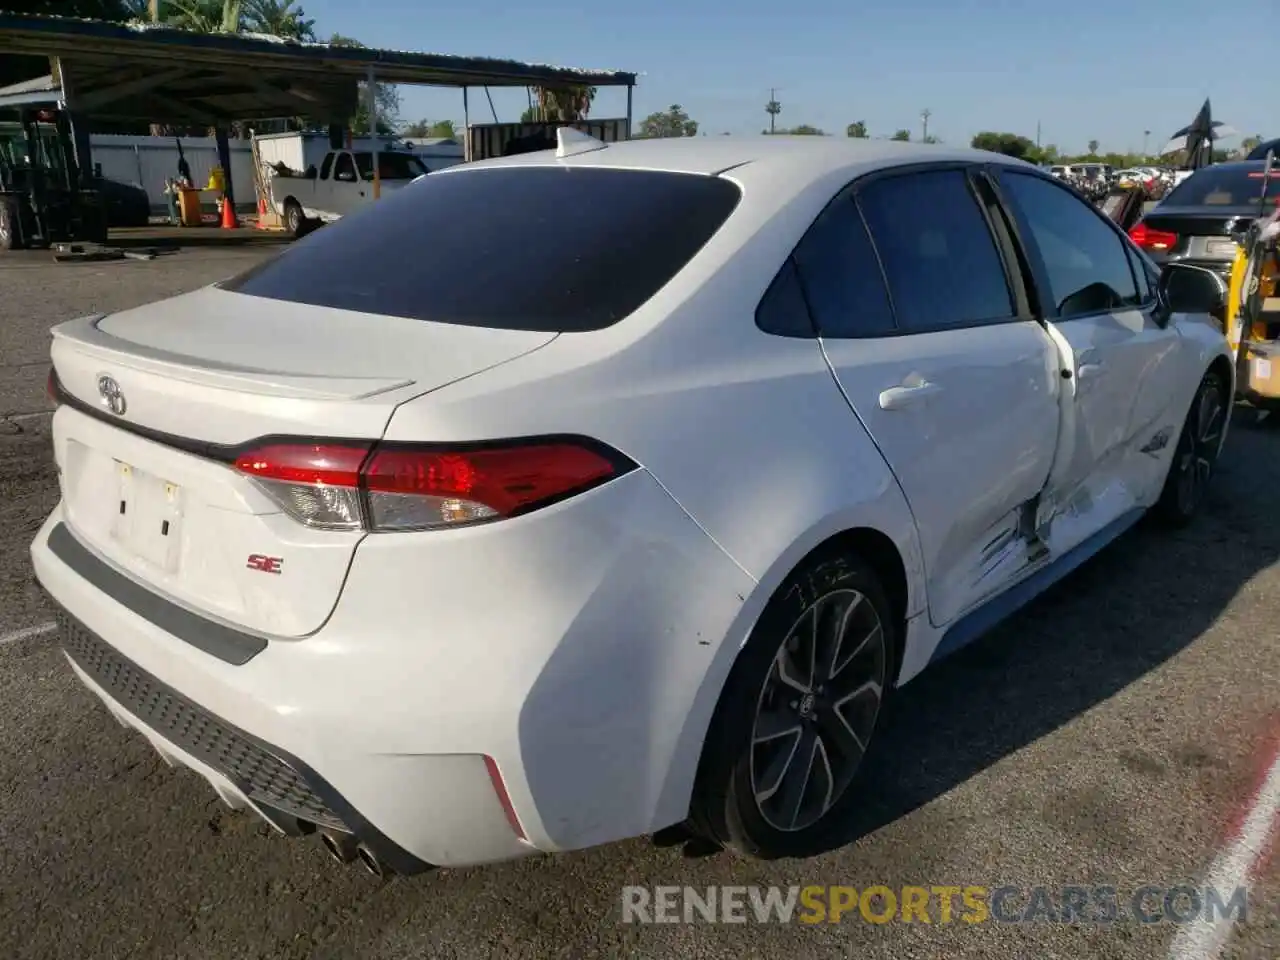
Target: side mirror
[(1187, 289)]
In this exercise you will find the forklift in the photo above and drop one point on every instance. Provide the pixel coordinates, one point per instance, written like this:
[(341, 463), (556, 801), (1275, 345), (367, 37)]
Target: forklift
[(45, 197)]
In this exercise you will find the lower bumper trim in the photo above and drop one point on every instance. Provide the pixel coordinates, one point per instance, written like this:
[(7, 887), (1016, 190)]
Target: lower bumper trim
[(288, 792)]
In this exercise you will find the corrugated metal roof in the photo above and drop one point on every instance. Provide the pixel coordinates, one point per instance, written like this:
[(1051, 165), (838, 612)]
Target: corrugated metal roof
[(72, 38)]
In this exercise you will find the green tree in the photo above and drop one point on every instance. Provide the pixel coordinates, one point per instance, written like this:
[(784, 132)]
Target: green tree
[(672, 122), (857, 129), (386, 97), (561, 103), (1010, 144), (426, 129), (1093, 148), (772, 108), (203, 16), (279, 18), (902, 135), (803, 130)]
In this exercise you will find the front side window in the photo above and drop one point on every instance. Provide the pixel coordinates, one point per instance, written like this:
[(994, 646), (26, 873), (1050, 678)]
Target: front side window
[(1085, 260), (344, 169), (940, 259)]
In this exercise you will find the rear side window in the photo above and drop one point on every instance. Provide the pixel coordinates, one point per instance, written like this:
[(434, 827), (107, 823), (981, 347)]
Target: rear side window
[(842, 277), (939, 256), (783, 310), (325, 166), (551, 249)]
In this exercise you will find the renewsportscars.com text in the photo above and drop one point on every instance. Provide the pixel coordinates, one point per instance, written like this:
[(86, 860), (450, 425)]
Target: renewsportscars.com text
[(932, 905)]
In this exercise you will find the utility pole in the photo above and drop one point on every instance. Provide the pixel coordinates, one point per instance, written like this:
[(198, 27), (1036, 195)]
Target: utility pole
[(153, 8), (1037, 134), (924, 123), (1145, 134), (773, 108)]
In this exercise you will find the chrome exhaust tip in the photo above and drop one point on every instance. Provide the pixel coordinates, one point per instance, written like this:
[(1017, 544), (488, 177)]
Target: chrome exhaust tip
[(370, 861), (341, 846)]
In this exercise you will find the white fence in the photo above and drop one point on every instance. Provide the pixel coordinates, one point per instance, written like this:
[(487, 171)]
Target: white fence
[(148, 161)]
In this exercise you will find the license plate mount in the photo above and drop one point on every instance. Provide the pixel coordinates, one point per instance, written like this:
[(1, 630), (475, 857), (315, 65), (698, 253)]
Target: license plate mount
[(147, 519)]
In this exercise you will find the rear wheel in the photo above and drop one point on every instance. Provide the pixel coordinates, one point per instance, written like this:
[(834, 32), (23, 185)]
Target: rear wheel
[(294, 220), (1196, 456), (797, 715)]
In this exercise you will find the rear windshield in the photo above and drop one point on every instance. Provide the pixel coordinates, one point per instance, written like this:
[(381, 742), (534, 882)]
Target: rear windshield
[(551, 249), (391, 166), (1233, 186)]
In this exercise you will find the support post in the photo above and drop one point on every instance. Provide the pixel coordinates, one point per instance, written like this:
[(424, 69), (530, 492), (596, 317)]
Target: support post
[(223, 146), (630, 91), (492, 108), (373, 131), (466, 124), (78, 133)]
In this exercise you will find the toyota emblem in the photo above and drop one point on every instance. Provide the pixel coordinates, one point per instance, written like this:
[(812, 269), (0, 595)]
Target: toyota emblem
[(112, 395)]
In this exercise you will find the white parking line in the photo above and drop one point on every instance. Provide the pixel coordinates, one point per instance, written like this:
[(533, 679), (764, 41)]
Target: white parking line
[(26, 633), (1234, 867)]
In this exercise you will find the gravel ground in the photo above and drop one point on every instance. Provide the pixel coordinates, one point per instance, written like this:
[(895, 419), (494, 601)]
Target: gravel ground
[(1110, 734)]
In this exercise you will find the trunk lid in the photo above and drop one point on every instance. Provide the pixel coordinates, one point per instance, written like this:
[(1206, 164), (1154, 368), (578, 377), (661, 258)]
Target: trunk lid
[(150, 487), (1200, 221), (1204, 233)]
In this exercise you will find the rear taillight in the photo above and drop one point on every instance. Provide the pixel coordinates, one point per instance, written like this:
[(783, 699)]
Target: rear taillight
[(382, 488), (1149, 239)]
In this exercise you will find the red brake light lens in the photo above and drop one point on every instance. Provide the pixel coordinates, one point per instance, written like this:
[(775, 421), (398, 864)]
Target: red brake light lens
[(320, 463), (1148, 239), (346, 487)]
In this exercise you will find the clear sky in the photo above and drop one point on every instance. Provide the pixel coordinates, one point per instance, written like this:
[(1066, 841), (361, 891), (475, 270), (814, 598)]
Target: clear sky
[(1082, 69)]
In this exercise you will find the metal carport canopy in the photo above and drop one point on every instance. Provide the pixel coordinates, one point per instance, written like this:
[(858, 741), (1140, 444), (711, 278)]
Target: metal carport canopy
[(145, 72)]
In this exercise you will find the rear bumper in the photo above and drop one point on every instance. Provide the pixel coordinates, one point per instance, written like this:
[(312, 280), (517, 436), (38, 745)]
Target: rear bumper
[(243, 770), (579, 651)]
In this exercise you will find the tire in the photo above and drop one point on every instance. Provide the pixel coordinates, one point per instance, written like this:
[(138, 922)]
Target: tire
[(10, 229), (294, 220), (1196, 456), (748, 794)]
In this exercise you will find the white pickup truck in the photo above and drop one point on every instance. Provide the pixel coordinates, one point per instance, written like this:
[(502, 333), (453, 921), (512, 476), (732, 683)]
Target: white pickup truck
[(343, 183)]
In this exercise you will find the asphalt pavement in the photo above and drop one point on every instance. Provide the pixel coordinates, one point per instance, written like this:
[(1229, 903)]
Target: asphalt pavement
[(1117, 732)]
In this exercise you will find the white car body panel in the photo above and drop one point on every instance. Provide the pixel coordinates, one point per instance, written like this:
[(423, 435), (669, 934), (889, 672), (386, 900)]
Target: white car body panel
[(582, 647), (996, 400)]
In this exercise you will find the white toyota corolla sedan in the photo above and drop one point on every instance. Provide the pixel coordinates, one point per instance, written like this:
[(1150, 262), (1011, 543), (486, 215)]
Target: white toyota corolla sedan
[(589, 493)]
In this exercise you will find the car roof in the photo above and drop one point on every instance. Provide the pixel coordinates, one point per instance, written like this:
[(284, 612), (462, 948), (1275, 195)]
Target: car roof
[(801, 158)]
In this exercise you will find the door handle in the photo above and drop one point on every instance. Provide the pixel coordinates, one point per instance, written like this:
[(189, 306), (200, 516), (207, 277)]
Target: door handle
[(899, 398), (1089, 371)]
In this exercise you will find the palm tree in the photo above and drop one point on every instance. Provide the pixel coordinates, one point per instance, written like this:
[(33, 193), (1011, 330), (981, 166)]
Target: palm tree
[(564, 103), (279, 18), (203, 16)]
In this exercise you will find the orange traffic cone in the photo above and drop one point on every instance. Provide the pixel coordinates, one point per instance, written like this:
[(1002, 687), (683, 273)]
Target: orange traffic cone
[(228, 215)]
